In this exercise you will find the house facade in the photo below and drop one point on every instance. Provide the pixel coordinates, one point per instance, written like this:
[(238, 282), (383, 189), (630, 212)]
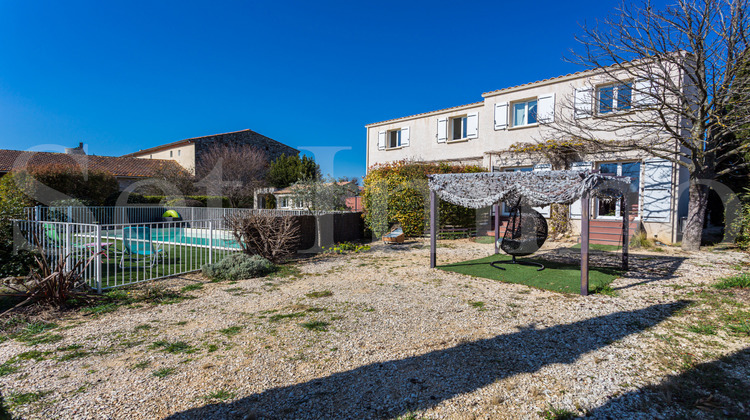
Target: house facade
[(188, 152), (492, 134)]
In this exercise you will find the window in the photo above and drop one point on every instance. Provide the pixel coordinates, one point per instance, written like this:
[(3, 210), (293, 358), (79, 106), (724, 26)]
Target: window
[(170, 153), (178, 152), (613, 208), (524, 113), (394, 138), (458, 128), (615, 98)]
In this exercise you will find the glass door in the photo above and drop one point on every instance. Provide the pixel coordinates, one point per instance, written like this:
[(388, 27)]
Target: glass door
[(612, 209)]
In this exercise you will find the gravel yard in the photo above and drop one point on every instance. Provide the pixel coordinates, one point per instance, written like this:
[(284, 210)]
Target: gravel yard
[(380, 335)]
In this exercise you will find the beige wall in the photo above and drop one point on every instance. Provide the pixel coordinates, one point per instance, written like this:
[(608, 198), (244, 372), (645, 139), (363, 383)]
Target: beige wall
[(184, 155), (490, 144)]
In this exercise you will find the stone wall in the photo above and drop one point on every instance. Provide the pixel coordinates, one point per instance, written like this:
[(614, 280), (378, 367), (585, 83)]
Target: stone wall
[(272, 148)]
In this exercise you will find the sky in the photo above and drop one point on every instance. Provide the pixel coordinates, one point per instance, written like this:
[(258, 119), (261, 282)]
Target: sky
[(121, 76)]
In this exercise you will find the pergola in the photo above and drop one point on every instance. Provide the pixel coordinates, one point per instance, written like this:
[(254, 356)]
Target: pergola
[(539, 188)]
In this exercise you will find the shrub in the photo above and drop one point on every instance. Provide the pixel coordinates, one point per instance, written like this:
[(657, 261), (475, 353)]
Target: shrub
[(641, 240), (741, 225), (133, 198), (12, 203), (398, 193), (184, 202), (93, 186), (52, 283), (275, 238), (237, 267)]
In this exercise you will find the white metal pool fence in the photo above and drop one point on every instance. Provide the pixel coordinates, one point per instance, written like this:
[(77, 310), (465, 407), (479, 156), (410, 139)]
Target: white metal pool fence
[(128, 253), (107, 215)]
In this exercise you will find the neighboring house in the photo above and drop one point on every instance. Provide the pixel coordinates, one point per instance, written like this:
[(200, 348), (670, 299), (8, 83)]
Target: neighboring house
[(188, 152), (125, 170), (482, 133), (285, 198)]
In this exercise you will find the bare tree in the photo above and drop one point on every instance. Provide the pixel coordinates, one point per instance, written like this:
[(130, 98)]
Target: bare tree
[(234, 171), (678, 68)]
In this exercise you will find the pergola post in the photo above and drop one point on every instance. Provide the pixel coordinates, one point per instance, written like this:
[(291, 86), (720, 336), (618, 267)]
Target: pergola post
[(585, 244), (625, 229), (496, 210), (433, 228)]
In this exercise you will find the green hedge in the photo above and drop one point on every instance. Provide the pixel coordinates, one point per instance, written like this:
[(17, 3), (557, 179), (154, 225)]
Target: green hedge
[(398, 193), (171, 201), (44, 184)]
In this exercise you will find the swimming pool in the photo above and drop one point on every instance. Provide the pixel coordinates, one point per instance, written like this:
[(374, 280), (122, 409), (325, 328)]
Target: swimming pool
[(190, 237)]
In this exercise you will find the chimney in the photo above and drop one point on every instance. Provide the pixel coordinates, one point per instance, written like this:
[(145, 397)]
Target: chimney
[(75, 150)]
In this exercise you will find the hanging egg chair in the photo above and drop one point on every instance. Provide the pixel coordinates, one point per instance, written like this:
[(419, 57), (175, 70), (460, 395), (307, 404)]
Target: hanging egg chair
[(524, 235)]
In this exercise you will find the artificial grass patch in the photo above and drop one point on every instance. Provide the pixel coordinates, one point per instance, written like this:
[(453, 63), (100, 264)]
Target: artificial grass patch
[(564, 278), (599, 247)]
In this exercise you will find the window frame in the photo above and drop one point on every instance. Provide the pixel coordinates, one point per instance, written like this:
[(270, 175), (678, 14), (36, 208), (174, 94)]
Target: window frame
[(526, 114), (464, 127), (615, 107), (618, 204), (388, 134)]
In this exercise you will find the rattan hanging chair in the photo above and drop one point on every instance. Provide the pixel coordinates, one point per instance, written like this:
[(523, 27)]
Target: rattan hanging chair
[(524, 235)]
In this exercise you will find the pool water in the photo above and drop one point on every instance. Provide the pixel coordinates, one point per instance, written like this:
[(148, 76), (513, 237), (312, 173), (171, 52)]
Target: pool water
[(197, 237)]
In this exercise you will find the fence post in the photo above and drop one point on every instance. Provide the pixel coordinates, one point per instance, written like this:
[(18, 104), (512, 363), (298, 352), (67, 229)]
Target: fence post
[(210, 241), (98, 268), (70, 214), (38, 212), (68, 243)]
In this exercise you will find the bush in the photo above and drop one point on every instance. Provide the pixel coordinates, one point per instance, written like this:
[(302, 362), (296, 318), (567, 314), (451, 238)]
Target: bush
[(93, 186), (741, 225), (186, 202), (133, 198), (275, 238), (203, 199), (398, 193), (238, 266), (641, 240), (12, 203)]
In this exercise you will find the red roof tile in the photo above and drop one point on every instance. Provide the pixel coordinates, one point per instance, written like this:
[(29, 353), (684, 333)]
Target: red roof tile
[(117, 166)]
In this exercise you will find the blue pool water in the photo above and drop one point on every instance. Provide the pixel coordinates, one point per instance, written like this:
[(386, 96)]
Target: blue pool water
[(177, 235)]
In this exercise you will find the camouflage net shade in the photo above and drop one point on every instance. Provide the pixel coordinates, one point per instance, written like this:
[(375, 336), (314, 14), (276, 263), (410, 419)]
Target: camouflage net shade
[(541, 188)]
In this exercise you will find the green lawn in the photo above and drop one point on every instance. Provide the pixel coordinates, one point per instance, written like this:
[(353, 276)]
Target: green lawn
[(565, 278), (175, 259)]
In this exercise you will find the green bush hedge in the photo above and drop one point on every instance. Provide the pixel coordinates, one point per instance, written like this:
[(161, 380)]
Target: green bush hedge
[(170, 201), (43, 184), (238, 266), (398, 193), (12, 202)]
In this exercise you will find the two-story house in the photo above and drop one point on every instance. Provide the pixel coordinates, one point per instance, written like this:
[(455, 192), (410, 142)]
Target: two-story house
[(487, 133)]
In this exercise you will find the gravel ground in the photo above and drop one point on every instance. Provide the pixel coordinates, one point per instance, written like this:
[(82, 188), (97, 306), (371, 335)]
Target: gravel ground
[(395, 339)]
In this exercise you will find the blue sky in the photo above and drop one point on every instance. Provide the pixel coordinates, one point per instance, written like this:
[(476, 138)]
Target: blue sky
[(127, 75)]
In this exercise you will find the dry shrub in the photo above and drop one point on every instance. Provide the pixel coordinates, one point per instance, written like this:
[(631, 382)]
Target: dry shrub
[(51, 283), (275, 238)]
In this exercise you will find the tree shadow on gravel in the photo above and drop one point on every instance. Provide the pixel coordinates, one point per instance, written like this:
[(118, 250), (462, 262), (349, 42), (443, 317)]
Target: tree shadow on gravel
[(393, 388), (647, 267), (718, 389)]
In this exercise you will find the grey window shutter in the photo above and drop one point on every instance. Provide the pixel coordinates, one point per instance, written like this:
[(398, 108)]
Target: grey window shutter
[(546, 108), (644, 93), (501, 116), (405, 136), (545, 211), (575, 207), (472, 125), (583, 103), (442, 130), (657, 190), (381, 140)]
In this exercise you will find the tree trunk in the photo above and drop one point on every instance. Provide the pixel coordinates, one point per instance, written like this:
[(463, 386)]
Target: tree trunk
[(698, 196)]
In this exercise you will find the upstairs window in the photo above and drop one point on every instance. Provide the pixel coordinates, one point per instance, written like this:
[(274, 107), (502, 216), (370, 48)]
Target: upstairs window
[(612, 98), (394, 139), (524, 113), (458, 128)]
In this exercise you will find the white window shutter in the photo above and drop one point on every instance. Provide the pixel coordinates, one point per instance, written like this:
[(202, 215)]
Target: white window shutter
[(575, 207), (644, 93), (501, 116), (584, 102), (472, 126), (381, 140), (405, 136), (657, 190), (546, 108), (442, 130), (542, 167)]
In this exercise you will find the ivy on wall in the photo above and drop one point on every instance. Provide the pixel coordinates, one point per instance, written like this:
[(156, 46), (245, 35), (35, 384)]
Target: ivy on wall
[(398, 193)]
